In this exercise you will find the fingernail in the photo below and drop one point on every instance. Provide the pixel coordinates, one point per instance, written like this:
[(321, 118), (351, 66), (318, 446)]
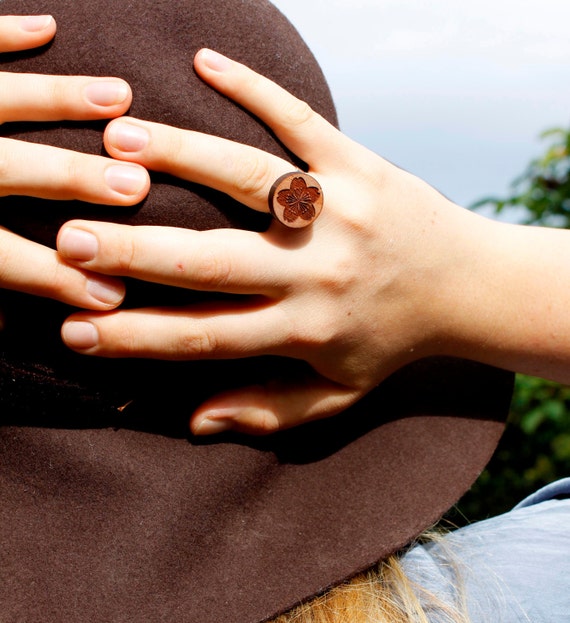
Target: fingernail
[(80, 335), (106, 92), (128, 137), (215, 61), (212, 426), (105, 290), (35, 23), (77, 244), (126, 180)]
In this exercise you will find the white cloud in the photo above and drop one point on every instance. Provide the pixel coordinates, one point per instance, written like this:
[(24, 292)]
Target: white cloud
[(513, 29), (455, 92)]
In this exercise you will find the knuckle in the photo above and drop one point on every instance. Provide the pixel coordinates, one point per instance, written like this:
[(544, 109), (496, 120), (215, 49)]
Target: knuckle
[(72, 173), (266, 423), (4, 266), (313, 335), (5, 165), (122, 337), (339, 275), (57, 93), (58, 281), (172, 146), (62, 284), (253, 175), (126, 255), (297, 113), (214, 270), (298, 332), (198, 344)]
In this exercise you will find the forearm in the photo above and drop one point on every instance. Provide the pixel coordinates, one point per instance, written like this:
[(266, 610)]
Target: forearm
[(509, 300)]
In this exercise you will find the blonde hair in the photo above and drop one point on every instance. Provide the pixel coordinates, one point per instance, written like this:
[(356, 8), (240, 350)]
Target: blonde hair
[(383, 594)]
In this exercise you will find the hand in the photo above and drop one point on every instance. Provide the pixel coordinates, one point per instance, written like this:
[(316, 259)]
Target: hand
[(42, 171), (363, 291)]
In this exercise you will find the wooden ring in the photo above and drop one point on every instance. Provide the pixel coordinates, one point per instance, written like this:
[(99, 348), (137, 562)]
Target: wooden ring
[(296, 199)]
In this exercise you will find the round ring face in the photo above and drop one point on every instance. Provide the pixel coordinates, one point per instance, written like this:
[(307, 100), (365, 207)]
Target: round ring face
[(296, 199)]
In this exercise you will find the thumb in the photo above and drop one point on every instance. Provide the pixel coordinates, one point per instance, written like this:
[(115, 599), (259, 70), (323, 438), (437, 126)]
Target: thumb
[(264, 409)]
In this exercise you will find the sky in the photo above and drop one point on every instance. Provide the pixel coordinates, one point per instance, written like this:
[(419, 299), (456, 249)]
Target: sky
[(457, 93)]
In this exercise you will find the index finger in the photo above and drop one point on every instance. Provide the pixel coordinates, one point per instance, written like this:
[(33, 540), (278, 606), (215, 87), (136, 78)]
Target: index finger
[(306, 133)]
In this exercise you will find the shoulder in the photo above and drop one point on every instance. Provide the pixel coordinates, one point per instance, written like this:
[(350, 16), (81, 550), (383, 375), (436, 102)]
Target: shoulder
[(510, 568)]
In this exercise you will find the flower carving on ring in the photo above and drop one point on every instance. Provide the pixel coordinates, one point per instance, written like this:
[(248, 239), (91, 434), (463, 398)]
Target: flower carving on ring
[(296, 199)]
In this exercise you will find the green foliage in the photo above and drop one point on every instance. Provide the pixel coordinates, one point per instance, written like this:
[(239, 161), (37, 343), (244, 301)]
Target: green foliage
[(543, 190), (535, 448)]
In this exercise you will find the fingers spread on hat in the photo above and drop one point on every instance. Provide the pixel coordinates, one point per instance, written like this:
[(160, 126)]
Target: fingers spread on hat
[(51, 173), (31, 97), (206, 331), (243, 172), (30, 267), (266, 409), (19, 32), (231, 261), (302, 130)]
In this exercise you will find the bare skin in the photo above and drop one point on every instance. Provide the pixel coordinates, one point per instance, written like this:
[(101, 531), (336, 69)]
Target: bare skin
[(390, 272), (47, 172)]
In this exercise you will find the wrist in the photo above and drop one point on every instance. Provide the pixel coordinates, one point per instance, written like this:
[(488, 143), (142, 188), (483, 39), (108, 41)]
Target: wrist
[(447, 280)]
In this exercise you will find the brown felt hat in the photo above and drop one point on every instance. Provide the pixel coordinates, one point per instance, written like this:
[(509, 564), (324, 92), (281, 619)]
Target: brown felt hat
[(109, 510)]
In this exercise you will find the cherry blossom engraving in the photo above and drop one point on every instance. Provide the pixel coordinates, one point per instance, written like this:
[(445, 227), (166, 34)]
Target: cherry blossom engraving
[(296, 199)]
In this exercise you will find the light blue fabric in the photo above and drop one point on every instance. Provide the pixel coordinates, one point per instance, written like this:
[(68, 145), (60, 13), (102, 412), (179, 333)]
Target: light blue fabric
[(514, 568)]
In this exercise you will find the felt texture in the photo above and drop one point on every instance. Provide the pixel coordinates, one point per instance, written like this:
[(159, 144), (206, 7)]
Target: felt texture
[(109, 511)]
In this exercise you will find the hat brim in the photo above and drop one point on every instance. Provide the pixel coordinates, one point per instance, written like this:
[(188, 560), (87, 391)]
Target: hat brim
[(104, 523)]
